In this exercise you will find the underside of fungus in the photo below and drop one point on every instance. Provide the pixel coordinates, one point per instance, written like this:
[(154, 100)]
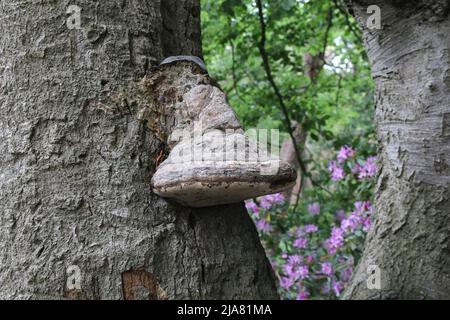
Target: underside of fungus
[(211, 161)]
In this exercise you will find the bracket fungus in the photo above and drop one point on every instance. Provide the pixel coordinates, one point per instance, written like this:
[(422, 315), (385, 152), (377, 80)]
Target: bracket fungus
[(211, 160)]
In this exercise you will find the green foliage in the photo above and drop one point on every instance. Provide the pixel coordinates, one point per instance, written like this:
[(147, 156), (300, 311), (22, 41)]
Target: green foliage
[(331, 96), (339, 100)]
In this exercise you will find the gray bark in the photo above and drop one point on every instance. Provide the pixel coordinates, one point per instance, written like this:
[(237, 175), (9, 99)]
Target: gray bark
[(410, 238), (76, 162)]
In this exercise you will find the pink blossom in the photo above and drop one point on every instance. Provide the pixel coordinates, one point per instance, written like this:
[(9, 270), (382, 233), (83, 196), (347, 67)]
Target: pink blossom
[(369, 169), (337, 286), (345, 153), (294, 269), (327, 268), (311, 228), (366, 224), (352, 222), (303, 295), (270, 200), (346, 274), (337, 173), (314, 209), (286, 283), (335, 241), (277, 198), (295, 259), (303, 272), (265, 203), (300, 243), (263, 226), (251, 205), (362, 206)]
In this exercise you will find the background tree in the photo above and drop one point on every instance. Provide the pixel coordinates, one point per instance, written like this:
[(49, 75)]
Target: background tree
[(410, 64), (76, 162)]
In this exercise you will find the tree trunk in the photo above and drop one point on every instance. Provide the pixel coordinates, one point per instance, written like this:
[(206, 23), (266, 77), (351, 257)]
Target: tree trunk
[(76, 163), (410, 238)]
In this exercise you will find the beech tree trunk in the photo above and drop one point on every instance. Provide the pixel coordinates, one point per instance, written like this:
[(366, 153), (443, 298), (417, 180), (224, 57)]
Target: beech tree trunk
[(76, 162), (410, 239)]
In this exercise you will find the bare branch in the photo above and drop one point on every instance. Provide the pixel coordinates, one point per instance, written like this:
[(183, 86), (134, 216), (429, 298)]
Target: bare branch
[(282, 105)]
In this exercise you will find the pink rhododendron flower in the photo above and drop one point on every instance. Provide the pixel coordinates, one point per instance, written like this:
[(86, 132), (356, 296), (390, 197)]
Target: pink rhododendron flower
[(362, 206), (251, 205), (311, 228), (300, 243), (303, 272), (265, 203), (345, 153), (369, 169), (346, 274), (337, 173), (277, 198), (352, 222), (337, 286), (270, 200), (327, 268), (294, 268), (286, 283), (263, 226), (366, 224), (314, 209), (303, 295), (295, 259), (335, 241)]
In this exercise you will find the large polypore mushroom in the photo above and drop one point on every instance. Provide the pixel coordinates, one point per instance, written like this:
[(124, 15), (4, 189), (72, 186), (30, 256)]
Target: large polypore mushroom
[(211, 160)]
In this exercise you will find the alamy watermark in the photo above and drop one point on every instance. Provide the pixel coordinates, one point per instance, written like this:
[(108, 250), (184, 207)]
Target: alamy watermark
[(374, 19), (73, 278), (373, 277), (74, 19)]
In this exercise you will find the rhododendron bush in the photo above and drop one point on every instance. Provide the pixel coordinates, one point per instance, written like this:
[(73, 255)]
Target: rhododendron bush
[(314, 245)]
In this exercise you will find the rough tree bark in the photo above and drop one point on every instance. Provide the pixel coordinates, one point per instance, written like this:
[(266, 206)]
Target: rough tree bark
[(76, 162), (410, 239)]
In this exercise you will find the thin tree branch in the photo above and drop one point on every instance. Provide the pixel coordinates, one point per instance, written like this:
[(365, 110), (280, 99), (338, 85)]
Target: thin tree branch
[(347, 21), (325, 40), (338, 92), (282, 105), (268, 70), (327, 31)]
